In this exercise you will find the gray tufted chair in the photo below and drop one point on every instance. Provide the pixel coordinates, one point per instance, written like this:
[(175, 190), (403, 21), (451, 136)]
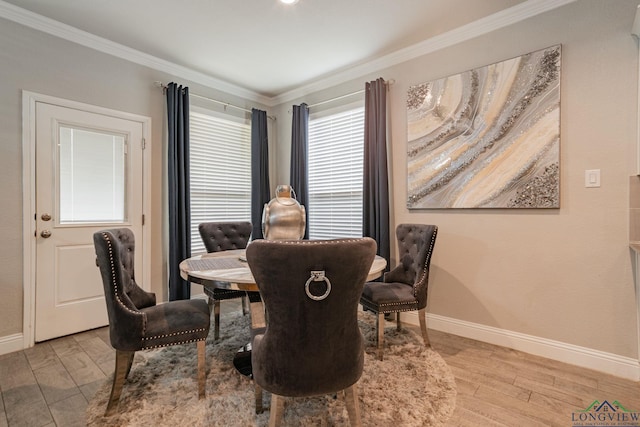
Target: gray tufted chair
[(312, 344), (405, 287), (135, 321), (224, 236)]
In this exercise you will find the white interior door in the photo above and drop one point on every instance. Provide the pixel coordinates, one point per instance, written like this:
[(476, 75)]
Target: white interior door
[(89, 177)]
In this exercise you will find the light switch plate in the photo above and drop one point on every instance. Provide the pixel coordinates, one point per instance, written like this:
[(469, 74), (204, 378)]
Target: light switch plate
[(592, 178)]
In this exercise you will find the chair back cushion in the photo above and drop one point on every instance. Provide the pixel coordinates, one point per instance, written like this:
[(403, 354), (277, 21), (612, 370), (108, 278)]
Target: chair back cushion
[(415, 247), (223, 236), (312, 344)]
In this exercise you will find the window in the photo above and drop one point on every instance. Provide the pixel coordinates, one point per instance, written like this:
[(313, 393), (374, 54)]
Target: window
[(336, 150), (220, 171)]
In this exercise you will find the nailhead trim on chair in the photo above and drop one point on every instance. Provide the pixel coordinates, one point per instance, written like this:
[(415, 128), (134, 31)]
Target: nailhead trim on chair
[(173, 343), (380, 307), (154, 337), (311, 242), (115, 288), (424, 269)]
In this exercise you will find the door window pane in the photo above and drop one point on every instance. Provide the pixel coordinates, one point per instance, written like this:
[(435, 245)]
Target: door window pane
[(91, 176)]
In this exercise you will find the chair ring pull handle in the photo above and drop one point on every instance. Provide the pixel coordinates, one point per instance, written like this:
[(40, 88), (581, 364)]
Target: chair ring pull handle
[(317, 276)]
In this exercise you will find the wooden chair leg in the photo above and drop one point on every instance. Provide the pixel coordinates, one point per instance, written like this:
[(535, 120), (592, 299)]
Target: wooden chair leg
[(124, 359), (245, 305), (353, 405), (380, 326), (398, 321), (422, 315), (216, 319), (210, 304), (277, 410), (257, 390), (129, 365), (202, 369)]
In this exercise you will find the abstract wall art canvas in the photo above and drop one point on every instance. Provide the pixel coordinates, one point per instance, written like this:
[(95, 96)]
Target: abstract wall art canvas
[(488, 137)]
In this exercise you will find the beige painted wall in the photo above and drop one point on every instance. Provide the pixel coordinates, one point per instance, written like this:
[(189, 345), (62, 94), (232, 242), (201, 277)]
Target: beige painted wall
[(562, 274), (37, 62)]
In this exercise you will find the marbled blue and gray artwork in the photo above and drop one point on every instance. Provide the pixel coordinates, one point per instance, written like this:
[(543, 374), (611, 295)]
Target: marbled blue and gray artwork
[(487, 138)]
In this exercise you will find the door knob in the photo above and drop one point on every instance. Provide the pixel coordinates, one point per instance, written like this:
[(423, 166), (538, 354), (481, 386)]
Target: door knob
[(45, 233), (45, 217)]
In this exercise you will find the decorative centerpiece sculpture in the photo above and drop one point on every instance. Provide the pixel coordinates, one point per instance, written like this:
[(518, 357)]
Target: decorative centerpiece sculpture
[(283, 218)]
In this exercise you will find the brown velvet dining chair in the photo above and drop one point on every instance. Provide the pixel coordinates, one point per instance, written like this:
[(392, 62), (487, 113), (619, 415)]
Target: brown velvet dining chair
[(405, 287), (224, 236), (135, 321), (312, 344)]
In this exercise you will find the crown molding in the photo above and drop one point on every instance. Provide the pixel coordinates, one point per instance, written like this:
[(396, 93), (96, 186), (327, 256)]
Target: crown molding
[(466, 32), (75, 35), (469, 31)]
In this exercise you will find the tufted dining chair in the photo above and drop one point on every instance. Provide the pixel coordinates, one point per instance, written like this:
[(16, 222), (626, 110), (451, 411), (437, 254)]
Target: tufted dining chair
[(312, 344), (405, 287), (135, 321), (224, 236)]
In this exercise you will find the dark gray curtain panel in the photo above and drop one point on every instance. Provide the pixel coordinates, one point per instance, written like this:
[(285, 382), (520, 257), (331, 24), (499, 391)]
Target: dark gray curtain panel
[(299, 173), (260, 192), (178, 188), (375, 198)]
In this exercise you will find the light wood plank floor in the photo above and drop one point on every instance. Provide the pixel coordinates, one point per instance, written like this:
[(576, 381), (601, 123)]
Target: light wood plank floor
[(51, 383)]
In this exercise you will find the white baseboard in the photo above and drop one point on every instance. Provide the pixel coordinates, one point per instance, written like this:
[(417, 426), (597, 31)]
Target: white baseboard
[(11, 343), (609, 363)]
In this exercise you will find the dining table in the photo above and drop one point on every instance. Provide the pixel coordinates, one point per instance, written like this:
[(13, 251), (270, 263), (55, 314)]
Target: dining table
[(230, 270)]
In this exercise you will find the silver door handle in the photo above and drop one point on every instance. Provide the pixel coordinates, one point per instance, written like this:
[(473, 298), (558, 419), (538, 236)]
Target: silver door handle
[(45, 233)]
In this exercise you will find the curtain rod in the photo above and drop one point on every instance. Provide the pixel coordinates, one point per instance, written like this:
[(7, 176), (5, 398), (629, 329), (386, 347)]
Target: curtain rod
[(358, 92), (225, 104)]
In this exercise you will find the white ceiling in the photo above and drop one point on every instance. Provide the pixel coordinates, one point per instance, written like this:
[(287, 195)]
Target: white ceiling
[(266, 47)]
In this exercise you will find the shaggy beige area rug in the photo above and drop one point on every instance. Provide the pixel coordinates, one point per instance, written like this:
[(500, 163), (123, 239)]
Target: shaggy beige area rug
[(413, 386)]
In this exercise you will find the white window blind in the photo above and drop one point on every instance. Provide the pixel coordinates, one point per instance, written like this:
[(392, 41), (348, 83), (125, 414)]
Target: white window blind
[(92, 178), (336, 149), (220, 171)]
